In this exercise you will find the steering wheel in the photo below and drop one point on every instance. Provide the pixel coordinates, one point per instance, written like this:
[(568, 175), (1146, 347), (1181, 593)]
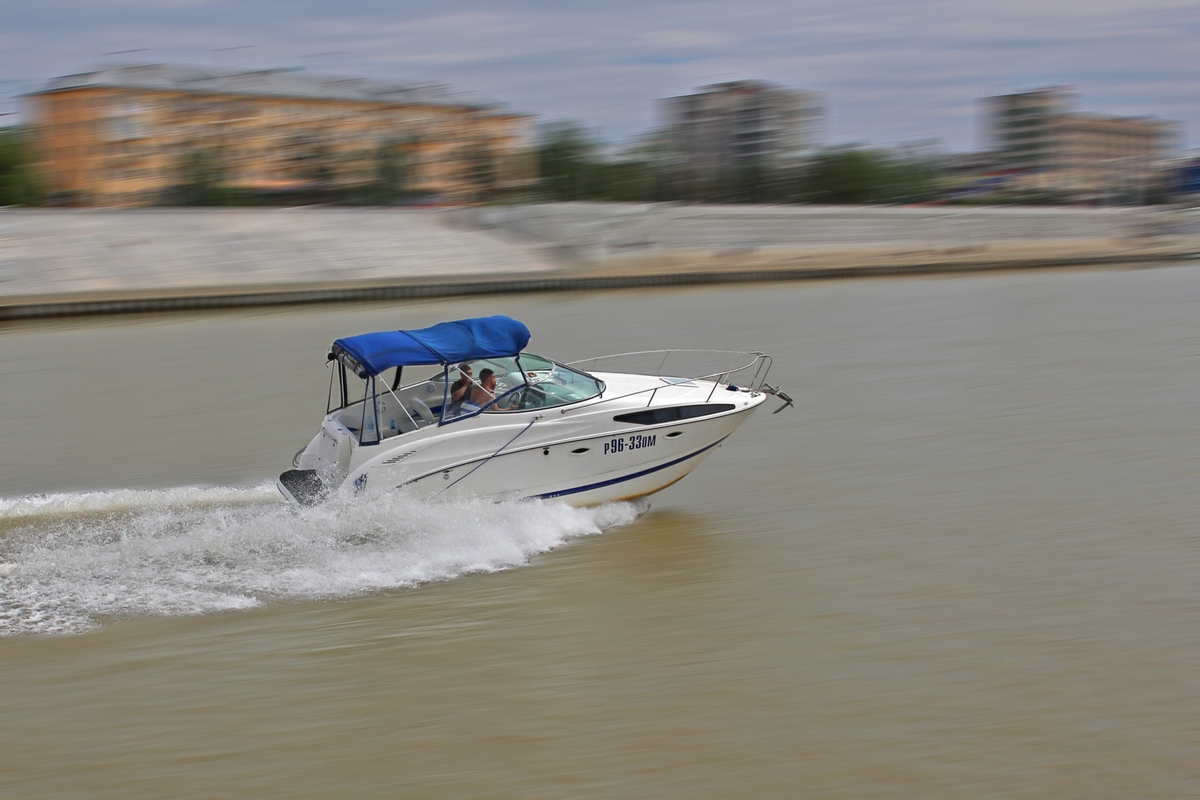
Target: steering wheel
[(534, 398)]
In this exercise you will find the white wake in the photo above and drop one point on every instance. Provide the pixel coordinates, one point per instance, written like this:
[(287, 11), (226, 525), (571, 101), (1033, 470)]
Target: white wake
[(68, 561)]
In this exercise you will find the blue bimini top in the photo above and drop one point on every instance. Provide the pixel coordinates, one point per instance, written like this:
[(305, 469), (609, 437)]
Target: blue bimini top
[(445, 343)]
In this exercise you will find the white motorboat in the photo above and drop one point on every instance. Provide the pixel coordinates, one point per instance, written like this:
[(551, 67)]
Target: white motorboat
[(480, 417)]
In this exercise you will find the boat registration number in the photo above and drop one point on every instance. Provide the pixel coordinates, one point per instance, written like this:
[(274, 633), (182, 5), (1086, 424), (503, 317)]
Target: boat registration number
[(635, 442)]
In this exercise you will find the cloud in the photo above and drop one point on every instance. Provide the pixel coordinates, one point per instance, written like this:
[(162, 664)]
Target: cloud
[(892, 71)]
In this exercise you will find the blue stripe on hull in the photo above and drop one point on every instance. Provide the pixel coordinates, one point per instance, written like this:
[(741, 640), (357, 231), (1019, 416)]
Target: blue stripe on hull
[(630, 477)]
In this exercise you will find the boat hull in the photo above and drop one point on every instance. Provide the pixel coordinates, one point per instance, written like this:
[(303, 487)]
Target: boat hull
[(608, 470), (537, 456)]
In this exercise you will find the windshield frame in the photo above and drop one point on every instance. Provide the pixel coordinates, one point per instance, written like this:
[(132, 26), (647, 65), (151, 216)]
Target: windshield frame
[(526, 382)]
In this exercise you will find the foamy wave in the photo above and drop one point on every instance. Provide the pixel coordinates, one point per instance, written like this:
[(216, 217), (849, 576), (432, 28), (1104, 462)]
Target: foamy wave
[(70, 560)]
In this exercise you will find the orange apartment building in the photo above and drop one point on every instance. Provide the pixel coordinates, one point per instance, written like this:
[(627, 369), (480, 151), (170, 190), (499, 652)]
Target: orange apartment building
[(121, 135)]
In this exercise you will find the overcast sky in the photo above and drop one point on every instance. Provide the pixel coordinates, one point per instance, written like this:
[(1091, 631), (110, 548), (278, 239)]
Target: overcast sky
[(893, 72)]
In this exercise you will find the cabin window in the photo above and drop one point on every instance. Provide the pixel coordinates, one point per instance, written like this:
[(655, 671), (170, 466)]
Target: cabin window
[(659, 416)]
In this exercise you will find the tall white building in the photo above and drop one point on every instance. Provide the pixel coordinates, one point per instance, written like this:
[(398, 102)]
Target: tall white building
[(726, 128)]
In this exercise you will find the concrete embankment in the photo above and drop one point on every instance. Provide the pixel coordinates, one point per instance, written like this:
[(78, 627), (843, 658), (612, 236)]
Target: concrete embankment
[(64, 262)]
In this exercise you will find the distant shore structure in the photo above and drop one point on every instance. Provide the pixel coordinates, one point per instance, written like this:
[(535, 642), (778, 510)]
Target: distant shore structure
[(131, 134), (1047, 145), (727, 129)]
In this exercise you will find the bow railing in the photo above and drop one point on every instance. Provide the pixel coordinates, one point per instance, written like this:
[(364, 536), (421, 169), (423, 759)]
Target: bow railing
[(744, 368)]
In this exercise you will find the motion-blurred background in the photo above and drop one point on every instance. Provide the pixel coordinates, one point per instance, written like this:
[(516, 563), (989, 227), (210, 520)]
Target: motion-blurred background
[(222, 103), (964, 565)]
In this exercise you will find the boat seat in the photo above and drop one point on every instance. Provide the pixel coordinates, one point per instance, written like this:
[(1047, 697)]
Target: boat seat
[(394, 419), (421, 410)]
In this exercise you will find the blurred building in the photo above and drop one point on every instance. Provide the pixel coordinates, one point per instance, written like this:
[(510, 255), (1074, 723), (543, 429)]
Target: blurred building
[(135, 134), (1185, 181), (1043, 138), (726, 129)]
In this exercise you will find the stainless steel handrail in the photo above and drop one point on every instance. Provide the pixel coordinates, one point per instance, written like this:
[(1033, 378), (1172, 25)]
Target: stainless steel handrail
[(761, 362), (757, 356)]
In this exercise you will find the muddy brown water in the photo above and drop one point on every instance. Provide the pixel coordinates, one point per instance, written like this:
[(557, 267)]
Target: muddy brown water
[(964, 566)]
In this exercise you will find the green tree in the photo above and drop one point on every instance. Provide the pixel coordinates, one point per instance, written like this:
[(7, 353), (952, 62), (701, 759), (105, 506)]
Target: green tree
[(569, 164), (201, 178), (572, 166), (631, 180), (481, 171), (318, 169), (392, 174), (18, 180), (858, 175), (844, 175), (910, 180)]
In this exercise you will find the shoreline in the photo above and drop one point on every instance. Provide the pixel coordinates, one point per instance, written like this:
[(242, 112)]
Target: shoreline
[(97, 262), (612, 276)]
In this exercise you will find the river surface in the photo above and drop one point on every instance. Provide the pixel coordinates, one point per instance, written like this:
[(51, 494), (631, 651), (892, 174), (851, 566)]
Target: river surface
[(965, 565)]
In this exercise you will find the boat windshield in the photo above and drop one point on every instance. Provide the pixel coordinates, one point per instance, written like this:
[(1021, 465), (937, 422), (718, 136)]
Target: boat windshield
[(523, 383)]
